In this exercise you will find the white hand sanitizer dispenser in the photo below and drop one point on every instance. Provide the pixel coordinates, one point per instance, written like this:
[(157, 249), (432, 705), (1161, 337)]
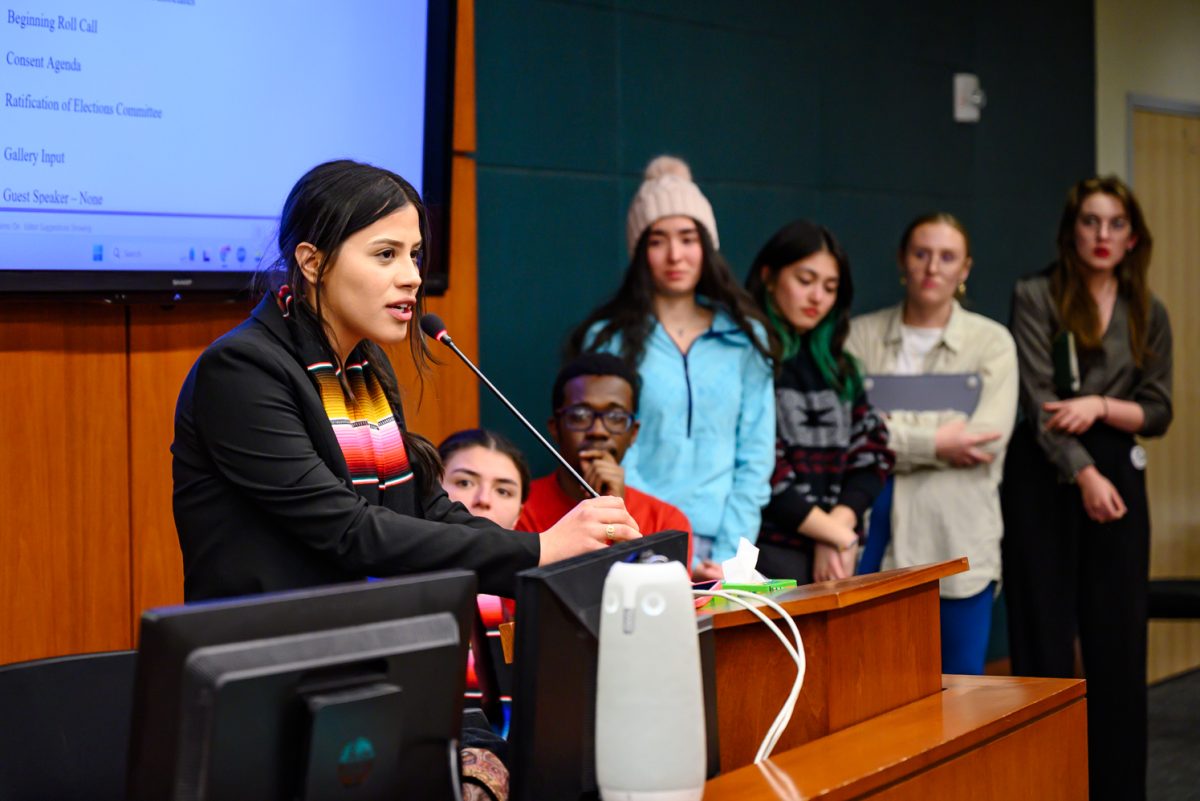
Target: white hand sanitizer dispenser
[(650, 743)]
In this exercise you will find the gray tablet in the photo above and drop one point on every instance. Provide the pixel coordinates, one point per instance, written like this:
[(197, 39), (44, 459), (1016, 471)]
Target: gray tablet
[(924, 393)]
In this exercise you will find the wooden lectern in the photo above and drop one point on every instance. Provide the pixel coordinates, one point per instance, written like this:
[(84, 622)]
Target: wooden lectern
[(876, 718)]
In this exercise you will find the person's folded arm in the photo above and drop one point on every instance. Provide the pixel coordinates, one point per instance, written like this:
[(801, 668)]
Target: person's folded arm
[(912, 438), (788, 506), (1033, 329), (996, 412)]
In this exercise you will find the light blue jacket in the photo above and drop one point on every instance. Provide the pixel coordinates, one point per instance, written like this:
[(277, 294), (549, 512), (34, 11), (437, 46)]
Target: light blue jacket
[(707, 438)]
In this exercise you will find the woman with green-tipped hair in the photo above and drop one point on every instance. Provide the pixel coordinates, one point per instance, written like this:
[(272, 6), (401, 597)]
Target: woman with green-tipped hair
[(831, 453)]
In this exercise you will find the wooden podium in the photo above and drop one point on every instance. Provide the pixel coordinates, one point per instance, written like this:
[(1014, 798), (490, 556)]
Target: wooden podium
[(876, 718)]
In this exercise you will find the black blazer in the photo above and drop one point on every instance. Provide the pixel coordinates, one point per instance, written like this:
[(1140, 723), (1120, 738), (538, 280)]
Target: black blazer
[(263, 499)]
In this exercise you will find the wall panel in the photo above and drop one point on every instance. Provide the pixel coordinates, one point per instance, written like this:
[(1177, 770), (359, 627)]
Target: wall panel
[(839, 112), (64, 480)]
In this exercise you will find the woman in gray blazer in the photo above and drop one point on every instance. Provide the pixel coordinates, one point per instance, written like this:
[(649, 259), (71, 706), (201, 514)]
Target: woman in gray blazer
[(1095, 351)]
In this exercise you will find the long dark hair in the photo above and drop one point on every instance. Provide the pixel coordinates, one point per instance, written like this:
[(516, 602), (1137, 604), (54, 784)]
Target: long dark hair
[(630, 312), (1076, 307), (330, 203), (826, 341)]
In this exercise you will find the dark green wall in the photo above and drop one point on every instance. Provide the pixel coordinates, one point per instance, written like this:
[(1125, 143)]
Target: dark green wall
[(835, 111)]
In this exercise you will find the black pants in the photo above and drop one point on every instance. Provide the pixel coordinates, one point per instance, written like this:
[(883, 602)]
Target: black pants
[(780, 561), (1065, 574)]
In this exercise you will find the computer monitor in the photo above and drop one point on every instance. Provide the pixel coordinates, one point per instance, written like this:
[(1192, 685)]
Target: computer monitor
[(351, 691), (552, 736)]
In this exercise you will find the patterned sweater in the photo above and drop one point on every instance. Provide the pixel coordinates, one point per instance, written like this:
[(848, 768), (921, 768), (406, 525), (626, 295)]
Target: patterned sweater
[(827, 452)]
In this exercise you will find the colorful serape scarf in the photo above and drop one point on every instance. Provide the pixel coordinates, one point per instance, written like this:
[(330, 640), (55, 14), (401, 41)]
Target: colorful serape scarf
[(363, 420), (364, 425)]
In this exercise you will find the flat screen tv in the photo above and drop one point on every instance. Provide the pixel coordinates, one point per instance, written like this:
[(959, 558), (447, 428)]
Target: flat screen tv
[(148, 147), (351, 691)]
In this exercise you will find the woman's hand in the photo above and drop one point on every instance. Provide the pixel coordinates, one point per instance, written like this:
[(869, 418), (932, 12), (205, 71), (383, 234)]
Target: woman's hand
[(848, 555), (835, 527), (955, 445), (1101, 500), (708, 570), (1076, 415), (849, 559), (827, 563), (845, 515), (591, 525)]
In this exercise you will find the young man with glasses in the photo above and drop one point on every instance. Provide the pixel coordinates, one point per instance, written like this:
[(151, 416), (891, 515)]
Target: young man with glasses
[(593, 422)]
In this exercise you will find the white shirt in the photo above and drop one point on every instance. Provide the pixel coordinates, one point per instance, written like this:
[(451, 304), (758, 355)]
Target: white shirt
[(915, 345)]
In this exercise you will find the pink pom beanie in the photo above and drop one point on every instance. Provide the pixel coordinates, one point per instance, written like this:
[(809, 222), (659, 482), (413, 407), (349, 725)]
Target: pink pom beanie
[(668, 191)]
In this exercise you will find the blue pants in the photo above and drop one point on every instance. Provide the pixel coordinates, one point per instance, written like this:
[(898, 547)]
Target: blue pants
[(966, 622), (879, 534)]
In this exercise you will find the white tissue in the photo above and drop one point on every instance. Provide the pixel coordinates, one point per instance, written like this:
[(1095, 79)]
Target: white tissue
[(741, 568)]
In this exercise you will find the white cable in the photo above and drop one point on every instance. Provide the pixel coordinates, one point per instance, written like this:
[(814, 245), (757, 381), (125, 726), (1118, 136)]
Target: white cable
[(797, 653), (785, 714), (780, 723)]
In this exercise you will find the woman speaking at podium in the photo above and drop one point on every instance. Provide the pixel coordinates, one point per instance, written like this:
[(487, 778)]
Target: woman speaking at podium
[(292, 465)]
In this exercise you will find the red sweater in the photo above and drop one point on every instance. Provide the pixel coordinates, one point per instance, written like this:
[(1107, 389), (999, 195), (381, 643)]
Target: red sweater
[(548, 503)]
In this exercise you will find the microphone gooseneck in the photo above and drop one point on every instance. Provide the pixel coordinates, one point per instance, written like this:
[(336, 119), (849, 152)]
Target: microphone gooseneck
[(434, 328)]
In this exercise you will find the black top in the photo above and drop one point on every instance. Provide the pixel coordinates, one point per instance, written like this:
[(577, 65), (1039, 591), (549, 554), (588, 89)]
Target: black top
[(1109, 371), (263, 497), (828, 451)]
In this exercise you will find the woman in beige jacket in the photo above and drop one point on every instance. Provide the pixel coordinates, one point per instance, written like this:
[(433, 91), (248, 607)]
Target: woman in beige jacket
[(944, 500)]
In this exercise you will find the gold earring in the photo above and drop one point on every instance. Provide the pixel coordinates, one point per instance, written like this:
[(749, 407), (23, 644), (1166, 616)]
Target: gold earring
[(962, 289), (903, 279)]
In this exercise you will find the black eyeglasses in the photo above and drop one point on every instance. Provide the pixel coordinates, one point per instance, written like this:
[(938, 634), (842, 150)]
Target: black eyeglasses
[(581, 418)]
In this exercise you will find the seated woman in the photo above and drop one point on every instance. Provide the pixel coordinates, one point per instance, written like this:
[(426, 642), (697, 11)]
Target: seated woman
[(292, 464), (831, 454), (488, 474), (945, 498)]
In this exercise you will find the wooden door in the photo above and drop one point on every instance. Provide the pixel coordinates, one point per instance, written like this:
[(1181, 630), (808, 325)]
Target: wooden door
[(1166, 177)]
